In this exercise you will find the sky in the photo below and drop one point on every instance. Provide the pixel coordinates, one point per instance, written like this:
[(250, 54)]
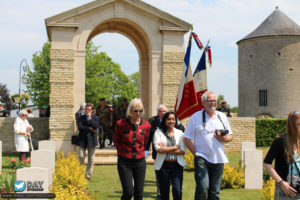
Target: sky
[(224, 22)]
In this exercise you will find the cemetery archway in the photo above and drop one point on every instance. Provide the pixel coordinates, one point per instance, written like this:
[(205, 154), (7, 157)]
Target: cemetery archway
[(157, 35)]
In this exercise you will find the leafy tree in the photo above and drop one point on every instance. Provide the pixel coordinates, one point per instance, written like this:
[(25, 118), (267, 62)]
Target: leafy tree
[(5, 97), (135, 79), (104, 78), (38, 85), (235, 109)]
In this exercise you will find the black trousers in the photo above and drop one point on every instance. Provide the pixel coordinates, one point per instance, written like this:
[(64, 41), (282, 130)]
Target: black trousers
[(132, 169)]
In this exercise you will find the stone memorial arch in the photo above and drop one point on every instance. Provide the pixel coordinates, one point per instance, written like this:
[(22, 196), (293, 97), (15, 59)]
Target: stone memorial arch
[(157, 36)]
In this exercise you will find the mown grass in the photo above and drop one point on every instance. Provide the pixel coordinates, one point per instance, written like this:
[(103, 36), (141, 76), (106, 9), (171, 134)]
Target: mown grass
[(105, 184)]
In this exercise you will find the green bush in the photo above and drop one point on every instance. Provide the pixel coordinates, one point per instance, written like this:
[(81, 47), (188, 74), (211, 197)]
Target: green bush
[(268, 129), (233, 177), (268, 189), (69, 182), (7, 181)]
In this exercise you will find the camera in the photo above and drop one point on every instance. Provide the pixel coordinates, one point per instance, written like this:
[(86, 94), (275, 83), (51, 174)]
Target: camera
[(224, 132), (296, 186)]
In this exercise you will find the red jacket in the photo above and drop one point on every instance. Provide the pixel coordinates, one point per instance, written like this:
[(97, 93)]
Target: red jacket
[(131, 143)]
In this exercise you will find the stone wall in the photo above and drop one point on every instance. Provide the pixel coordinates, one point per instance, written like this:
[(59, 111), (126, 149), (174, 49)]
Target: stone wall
[(172, 71), (41, 131), (243, 129), (270, 64)]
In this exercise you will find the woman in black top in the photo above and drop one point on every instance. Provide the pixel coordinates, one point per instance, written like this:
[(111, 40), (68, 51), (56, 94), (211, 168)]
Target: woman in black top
[(281, 150)]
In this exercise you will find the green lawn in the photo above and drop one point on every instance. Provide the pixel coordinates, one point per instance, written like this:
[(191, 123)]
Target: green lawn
[(105, 184)]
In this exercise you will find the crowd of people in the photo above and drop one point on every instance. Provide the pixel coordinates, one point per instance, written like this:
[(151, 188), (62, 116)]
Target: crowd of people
[(206, 133)]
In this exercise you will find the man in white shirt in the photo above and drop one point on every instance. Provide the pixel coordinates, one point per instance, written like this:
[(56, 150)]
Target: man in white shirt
[(209, 129)]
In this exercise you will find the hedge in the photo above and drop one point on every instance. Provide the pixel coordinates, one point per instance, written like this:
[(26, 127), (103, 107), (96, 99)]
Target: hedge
[(268, 129)]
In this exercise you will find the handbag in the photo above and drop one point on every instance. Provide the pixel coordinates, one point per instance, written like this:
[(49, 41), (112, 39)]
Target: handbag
[(74, 139)]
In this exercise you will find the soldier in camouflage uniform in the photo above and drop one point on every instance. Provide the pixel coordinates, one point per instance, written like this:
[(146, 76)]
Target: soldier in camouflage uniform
[(105, 125), (122, 109)]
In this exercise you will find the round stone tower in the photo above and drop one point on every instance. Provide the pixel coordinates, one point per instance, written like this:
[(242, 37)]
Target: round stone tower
[(269, 68)]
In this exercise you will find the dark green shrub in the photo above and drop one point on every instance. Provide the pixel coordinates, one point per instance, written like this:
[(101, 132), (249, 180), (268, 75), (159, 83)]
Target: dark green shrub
[(268, 129)]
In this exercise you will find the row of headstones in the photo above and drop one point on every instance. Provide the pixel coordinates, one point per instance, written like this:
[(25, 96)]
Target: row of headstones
[(38, 177), (251, 160)]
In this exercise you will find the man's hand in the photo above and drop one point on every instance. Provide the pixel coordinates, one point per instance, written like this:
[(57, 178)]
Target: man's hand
[(89, 115), (221, 138), (29, 128)]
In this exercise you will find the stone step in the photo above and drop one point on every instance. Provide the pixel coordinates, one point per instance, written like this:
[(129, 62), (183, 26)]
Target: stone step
[(108, 156)]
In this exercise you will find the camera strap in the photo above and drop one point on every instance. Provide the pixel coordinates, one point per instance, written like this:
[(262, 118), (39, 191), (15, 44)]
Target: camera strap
[(293, 161), (204, 119)]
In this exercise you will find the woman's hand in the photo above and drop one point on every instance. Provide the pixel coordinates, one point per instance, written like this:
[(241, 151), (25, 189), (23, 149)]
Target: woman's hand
[(27, 134), (29, 128), (287, 189), (161, 144)]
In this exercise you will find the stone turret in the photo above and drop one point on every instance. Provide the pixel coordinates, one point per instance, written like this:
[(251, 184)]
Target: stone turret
[(269, 68)]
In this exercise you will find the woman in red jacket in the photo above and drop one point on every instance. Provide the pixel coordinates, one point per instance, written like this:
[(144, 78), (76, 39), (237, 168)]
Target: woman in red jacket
[(131, 136)]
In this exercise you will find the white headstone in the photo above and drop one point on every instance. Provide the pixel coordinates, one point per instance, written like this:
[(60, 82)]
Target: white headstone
[(47, 144), (44, 159), (253, 169), (0, 156), (246, 146), (33, 180)]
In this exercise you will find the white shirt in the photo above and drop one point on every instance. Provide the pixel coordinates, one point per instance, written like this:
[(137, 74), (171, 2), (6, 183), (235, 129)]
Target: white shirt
[(206, 144), (21, 141), (159, 137)]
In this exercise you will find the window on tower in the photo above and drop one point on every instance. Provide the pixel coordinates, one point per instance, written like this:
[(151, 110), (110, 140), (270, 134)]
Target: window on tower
[(263, 98)]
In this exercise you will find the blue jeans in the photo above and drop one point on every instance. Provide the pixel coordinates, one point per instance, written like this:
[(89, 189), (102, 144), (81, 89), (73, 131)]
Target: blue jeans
[(170, 172), (208, 177)]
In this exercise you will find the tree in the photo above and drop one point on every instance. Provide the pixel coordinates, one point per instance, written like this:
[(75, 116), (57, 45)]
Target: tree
[(5, 97), (104, 78), (135, 79), (38, 85)]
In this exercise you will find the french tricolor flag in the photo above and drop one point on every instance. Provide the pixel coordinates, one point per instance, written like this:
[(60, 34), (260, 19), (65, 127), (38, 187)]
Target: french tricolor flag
[(197, 40), (186, 101), (200, 79)]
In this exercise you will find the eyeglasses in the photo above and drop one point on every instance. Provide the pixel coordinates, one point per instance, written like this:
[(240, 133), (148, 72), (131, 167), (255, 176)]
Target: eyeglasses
[(23, 115), (136, 111), (88, 109), (211, 101)]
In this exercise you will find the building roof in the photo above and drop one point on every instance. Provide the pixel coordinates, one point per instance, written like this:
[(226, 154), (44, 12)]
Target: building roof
[(276, 24)]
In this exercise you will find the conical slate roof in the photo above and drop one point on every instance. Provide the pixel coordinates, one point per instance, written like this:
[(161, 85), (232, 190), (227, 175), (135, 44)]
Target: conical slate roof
[(276, 24)]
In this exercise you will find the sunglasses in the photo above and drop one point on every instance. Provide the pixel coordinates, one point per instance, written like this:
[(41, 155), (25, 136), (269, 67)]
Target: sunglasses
[(24, 115), (136, 111), (211, 101)]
